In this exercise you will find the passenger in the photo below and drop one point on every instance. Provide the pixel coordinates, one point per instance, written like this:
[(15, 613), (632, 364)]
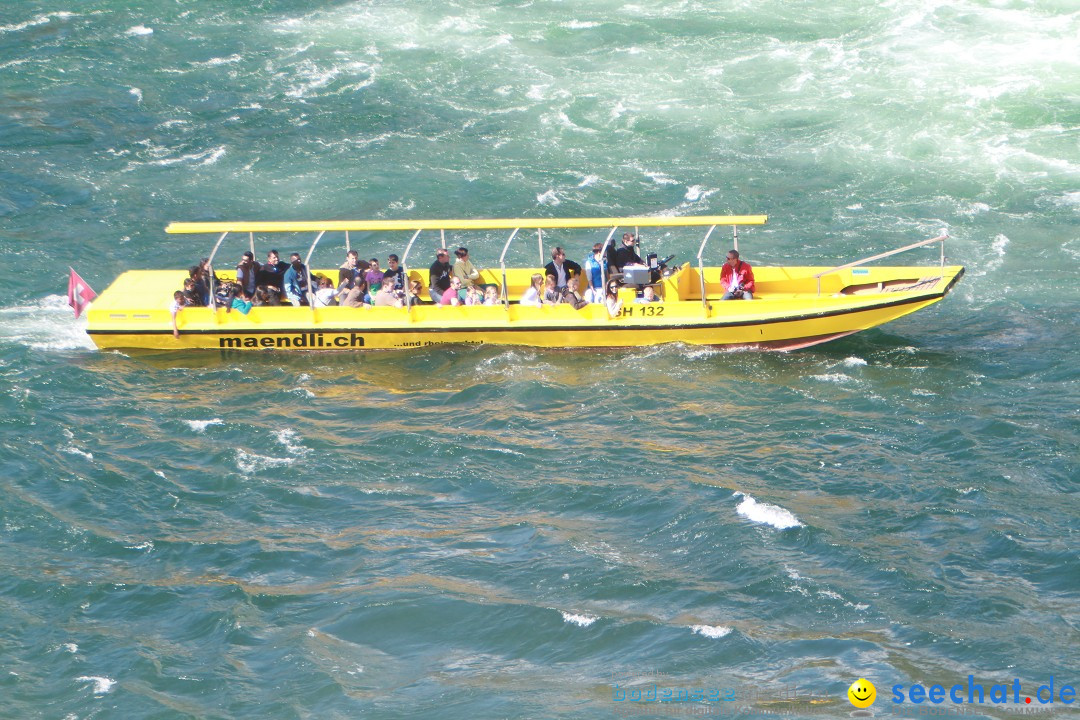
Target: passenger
[(595, 266), (464, 269), (386, 297), (627, 254), (572, 296), (532, 296), (241, 301), (266, 297), (450, 297), (201, 274), (552, 293), (395, 271), (325, 295), (374, 275), (413, 295), (491, 295), (561, 268), (192, 298), (296, 281), (737, 277), (648, 295), (272, 273), (349, 269), (439, 276), (178, 304), (224, 294), (353, 293), (473, 296), (247, 273), (614, 304)]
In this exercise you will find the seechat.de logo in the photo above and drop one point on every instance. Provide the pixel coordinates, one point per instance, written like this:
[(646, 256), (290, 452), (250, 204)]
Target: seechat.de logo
[(862, 693)]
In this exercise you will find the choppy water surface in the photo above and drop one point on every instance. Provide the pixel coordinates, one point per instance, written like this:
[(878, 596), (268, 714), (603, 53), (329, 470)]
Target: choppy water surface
[(484, 532)]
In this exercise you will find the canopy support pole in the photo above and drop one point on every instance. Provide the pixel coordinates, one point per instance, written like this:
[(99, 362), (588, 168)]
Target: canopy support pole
[(502, 264), (210, 264), (603, 261), (307, 270), (701, 270), (405, 269)]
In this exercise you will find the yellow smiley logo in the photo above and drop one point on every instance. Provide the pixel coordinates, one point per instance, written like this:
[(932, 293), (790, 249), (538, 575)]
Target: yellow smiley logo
[(862, 693)]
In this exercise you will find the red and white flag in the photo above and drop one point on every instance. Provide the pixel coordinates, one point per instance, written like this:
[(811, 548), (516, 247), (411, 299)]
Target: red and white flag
[(79, 293)]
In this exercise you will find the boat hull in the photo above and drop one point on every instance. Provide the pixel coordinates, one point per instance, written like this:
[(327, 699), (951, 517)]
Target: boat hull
[(782, 322)]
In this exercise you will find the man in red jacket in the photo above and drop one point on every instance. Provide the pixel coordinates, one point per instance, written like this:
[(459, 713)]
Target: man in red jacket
[(737, 277)]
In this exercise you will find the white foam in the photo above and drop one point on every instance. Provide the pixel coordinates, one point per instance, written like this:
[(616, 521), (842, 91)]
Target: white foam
[(250, 463), (146, 545), (102, 685), (548, 198), (765, 513), (839, 378), (507, 451), (39, 20), (579, 620), (137, 93), (139, 30), (711, 631), (660, 178), (1069, 199), (72, 450), (588, 180), (206, 157), (287, 437), (48, 324), (201, 425), (854, 361), (214, 62), (697, 192), (579, 25), (70, 647)]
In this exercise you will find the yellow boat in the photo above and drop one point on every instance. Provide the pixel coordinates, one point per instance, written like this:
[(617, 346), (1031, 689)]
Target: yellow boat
[(793, 307)]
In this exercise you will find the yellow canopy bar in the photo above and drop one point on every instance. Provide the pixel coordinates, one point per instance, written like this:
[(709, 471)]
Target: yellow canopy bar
[(480, 224)]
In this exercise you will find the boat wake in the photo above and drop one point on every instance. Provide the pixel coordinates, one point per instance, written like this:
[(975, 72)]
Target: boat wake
[(45, 325)]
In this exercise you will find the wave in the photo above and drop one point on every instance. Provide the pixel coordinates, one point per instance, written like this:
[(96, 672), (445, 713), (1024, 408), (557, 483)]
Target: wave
[(579, 620), (39, 20), (714, 632), (765, 513), (102, 684), (250, 463), (201, 425)]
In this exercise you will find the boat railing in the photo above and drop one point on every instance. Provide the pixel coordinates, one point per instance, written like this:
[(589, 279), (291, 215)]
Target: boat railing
[(939, 239)]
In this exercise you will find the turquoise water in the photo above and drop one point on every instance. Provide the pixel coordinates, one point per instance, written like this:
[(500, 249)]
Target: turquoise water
[(506, 533)]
